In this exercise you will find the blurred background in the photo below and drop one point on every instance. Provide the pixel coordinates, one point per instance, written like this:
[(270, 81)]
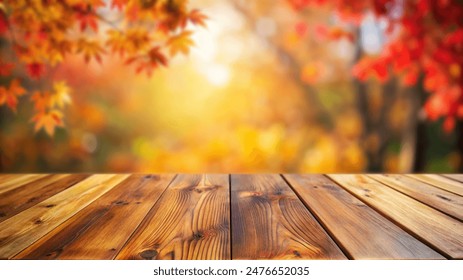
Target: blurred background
[(261, 90)]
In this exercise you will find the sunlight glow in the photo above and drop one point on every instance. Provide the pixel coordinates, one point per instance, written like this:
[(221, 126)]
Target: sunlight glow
[(217, 74)]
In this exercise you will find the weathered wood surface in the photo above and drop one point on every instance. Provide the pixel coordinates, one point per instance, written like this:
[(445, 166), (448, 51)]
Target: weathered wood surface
[(441, 182), (107, 216), (440, 231), (27, 195), (14, 181), (190, 221), (456, 177), (270, 222), (360, 230), (20, 231), (100, 230), (445, 201)]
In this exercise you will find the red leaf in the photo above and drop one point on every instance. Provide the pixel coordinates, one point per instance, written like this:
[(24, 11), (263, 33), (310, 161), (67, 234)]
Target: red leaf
[(118, 4), (87, 18), (3, 23), (410, 78), (321, 32), (449, 124), (301, 28), (455, 38), (6, 68), (35, 70)]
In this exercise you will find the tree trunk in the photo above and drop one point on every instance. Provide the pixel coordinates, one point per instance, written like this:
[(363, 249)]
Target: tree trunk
[(460, 145), (412, 156), (375, 134)]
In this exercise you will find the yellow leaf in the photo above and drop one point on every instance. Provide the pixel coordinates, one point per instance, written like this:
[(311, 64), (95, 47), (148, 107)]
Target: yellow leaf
[(180, 43), (90, 50), (61, 95)]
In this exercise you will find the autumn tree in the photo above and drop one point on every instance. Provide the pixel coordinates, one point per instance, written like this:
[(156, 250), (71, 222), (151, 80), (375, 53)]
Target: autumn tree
[(424, 49), (36, 36)]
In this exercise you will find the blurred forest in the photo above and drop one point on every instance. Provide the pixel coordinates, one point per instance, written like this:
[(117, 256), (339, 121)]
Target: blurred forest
[(267, 86)]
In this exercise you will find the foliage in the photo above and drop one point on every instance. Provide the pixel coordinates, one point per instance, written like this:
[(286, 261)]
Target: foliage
[(41, 34), (425, 39)]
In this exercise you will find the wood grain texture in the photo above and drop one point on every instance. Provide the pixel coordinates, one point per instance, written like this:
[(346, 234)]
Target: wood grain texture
[(440, 182), (440, 231), (270, 222), (447, 202), (101, 229), (361, 231), (25, 196), (456, 177), (23, 229), (190, 221), (11, 182)]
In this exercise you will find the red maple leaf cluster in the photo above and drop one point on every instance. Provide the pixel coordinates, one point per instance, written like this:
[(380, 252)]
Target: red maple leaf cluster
[(426, 41)]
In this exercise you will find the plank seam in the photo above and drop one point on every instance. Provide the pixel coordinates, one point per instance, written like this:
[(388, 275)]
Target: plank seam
[(432, 184), (385, 215), (451, 178), (230, 214), (70, 217), (317, 218), (142, 220), (422, 202)]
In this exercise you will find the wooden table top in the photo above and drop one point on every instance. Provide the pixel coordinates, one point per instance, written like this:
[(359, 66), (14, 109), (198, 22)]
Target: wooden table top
[(222, 216)]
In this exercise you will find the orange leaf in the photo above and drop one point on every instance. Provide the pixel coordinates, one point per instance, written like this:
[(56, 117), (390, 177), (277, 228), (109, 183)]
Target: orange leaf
[(197, 18), (311, 73), (41, 101), (180, 43), (48, 121), (90, 50), (10, 96)]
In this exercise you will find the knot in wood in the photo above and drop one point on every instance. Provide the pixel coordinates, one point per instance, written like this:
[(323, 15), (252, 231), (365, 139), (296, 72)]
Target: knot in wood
[(149, 254), (198, 235), (330, 187), (296, 253), (121, 202)]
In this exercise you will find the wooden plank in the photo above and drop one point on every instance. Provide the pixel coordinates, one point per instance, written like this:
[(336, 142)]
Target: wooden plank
[(440, 182), (190, 221), (437, 198), (438, 230), (91, 234), (361, 231), (21, 198), (456, 177), (6, 176), (17, 180), (270, 222), (23, 229)]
